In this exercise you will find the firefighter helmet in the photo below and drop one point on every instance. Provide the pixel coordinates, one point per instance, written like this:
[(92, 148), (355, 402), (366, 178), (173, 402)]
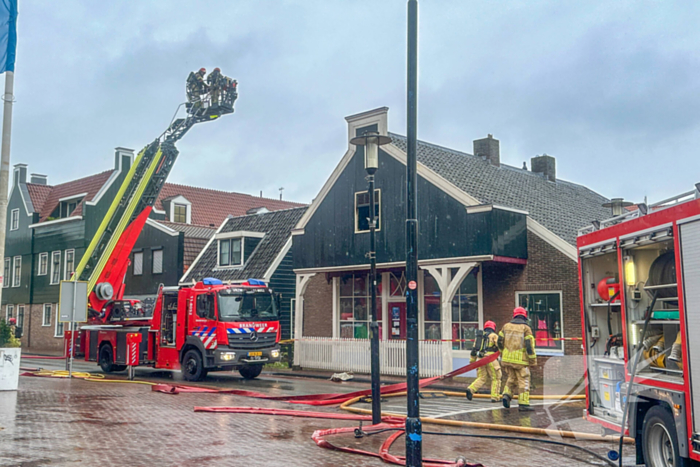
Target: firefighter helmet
[(490, 325), (202, 70), (520, 311), (13, 321), (217, 69)]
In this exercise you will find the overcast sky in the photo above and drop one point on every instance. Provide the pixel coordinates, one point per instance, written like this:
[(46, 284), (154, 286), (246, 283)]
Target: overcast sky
[(611, 89)]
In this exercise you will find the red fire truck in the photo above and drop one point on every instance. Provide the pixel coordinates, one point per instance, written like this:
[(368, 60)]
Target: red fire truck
[(640, 304), (209, 326)]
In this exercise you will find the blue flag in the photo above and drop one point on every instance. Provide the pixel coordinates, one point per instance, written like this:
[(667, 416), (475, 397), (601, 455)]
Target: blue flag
[(8, 34)]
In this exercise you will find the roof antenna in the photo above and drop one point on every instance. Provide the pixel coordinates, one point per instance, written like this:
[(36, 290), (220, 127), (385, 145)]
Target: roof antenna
[(524, 165), (281, 190)]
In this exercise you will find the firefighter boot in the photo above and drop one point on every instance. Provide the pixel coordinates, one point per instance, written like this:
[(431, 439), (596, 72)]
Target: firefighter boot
[(506, 400), (470, 394), (524, 402)]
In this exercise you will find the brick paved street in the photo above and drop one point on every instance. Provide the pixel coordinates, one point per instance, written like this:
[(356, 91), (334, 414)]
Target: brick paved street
[(56, 422)]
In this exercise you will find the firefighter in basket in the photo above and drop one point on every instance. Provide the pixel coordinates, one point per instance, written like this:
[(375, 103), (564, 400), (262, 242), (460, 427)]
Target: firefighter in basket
[(517, 346), (195, 88), (485, 345), (216, 83)]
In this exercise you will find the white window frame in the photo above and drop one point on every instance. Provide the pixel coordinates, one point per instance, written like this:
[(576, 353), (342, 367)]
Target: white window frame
[(66, 275), (58, 324), (9, 312), (153, 260), (53, 266), (16, 281), (218, 252), (43, 315), (541, 351), (377, 218), (43, 257), (134, 269), (7, 273), (14, 219)]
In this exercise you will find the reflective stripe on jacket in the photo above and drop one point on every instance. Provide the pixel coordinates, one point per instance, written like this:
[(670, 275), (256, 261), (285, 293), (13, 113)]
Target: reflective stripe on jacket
[(515, 335)]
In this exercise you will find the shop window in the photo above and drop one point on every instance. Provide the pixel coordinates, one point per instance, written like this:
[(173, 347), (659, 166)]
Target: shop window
[(43, 264), (397, 284), (46, 318), (465, 312), (362, 210), (545, 314), (432, 321), (55, 267), (230, 252), (354, 306)]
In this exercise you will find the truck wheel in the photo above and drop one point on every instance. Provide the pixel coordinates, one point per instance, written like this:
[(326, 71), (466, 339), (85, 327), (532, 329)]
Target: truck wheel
[(193, 366), (107, 360), (659, 439), (250, 371)]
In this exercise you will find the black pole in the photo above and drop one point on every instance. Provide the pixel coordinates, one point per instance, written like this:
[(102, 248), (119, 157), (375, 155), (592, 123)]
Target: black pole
[(414, 456), (374, 326)]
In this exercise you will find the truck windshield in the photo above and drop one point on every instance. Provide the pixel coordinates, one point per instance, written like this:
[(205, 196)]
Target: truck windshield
[(251, 305)]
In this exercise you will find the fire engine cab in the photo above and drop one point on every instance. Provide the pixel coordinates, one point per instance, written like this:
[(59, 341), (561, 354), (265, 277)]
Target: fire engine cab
[(640, 305), (208, 327)]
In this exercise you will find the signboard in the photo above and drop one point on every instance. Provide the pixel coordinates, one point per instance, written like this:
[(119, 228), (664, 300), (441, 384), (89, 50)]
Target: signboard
[(73, 302)]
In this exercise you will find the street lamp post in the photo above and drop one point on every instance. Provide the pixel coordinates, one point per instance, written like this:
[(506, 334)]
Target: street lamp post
[(371, 140)]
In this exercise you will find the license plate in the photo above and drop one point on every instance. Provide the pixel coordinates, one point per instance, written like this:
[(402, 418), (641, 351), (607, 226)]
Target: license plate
[(255, 354)]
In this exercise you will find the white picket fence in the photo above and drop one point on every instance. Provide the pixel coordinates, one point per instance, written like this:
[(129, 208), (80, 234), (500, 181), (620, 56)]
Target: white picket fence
[(354, 355)]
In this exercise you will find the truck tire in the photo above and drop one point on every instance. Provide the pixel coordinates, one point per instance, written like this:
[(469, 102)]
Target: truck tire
[(659, 439), (193, 366), (107, 360), (250, 371)]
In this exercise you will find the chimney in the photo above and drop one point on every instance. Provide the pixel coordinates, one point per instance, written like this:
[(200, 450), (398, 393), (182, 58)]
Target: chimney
[(545, 165), (39, 179), (123, 158), (488, 148), (19, 174)]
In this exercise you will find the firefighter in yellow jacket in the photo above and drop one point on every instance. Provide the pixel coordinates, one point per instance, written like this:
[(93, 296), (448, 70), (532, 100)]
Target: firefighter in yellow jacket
[(517, 346), (484, 346)]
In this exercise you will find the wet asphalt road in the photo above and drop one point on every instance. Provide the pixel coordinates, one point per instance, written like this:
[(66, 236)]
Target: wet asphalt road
[(57, 422)]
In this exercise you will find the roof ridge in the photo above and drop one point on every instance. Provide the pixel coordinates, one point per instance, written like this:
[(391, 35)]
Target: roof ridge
[(268, 212), (229, 192)]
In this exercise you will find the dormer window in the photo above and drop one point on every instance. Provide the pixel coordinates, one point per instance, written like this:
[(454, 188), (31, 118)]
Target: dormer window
[(68, 204), (179, 209), (230, 252)]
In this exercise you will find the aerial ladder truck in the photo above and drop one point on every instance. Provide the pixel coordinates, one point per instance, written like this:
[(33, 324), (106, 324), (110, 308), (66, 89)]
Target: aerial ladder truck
[(210, 326)]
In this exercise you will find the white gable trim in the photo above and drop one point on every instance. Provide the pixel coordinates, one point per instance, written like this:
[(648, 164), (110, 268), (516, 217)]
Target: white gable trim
[(162, 228), (239, 233), (278, 260), (57, 221), (68, 198), (206, 247), (105, 187), (21, 195), (550, 237)]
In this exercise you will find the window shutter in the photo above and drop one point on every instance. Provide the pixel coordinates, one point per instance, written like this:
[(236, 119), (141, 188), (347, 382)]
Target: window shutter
[(157, 261), (138, 264)]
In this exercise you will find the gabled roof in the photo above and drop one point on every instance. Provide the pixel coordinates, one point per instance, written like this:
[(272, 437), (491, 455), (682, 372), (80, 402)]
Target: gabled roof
[(562, 207), (191, 231), (38, 194), (277, 227), (210, 207), (45, 197)]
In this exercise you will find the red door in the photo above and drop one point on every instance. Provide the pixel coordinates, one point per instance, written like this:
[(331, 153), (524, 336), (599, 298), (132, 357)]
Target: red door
[(397, 320)]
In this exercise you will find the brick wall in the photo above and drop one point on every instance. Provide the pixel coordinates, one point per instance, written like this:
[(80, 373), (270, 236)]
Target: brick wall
[(37, 337), (318, 307), (547, 269)]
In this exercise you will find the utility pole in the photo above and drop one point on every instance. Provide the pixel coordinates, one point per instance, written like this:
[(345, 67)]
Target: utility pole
[(414, 432), (8, 99)]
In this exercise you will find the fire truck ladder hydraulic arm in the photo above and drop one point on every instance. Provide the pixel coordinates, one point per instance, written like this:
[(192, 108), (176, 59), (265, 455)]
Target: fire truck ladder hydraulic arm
[(106, 259)]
